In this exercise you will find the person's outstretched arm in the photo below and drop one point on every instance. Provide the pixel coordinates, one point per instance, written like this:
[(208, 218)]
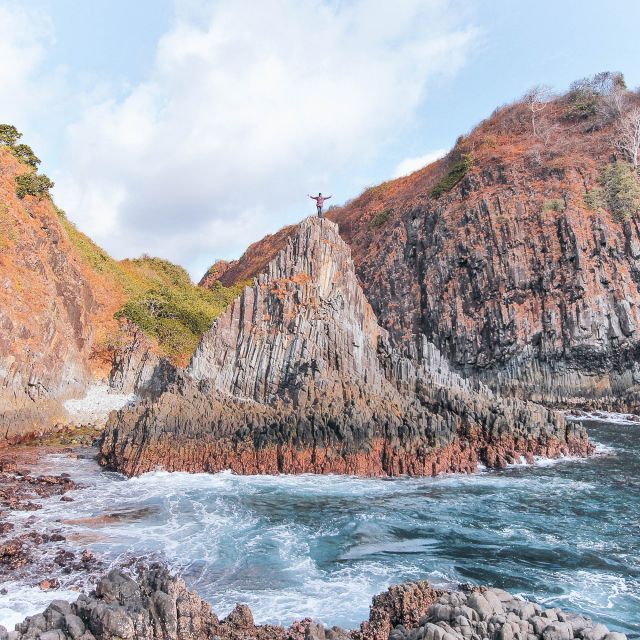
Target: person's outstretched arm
[(313, 197), (327, 197)]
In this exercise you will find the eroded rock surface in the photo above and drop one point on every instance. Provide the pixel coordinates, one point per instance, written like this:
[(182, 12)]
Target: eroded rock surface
[(158, 606), (297, 376)]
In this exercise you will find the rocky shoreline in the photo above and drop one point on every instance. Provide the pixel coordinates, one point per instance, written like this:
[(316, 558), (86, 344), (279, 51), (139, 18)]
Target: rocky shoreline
[(151, 604), (27, 552), (148, 603)]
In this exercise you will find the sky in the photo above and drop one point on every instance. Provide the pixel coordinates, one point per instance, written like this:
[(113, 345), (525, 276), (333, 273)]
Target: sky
[(189, 129)]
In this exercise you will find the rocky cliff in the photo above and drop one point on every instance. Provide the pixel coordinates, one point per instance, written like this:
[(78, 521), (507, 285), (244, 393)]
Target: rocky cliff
[(297, 376), (51, 311), (71, 315), (498, 255)]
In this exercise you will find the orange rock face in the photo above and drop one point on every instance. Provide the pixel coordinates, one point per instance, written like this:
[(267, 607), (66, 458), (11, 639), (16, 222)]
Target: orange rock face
[(53, 312)]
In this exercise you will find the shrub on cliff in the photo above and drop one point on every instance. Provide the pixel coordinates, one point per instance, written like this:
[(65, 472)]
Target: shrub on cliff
[(585, 96), (555, 204), (9, 135), (619, 191), (380, 218), (457, 171), (160, 297), (33, 184), (177, 315), (25, 154)]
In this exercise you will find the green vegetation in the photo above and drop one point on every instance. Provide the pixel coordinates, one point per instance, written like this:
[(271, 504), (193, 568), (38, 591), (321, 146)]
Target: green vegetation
[(25, 154), (380, 218), (619, 192), (176, 315), (555, 204), (9, 135), (98, 258), (457, 171), (162, 300), (33, 184)]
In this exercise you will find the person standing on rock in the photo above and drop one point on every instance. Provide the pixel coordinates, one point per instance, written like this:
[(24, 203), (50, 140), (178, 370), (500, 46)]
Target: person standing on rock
[(319, 202)]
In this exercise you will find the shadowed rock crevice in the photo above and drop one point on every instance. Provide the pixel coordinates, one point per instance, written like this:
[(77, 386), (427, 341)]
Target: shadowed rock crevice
[(298, 376)]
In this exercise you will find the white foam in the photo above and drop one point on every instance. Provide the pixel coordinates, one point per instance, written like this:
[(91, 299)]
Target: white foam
[(605, 416), (23, 600), (291, 546), (97, 403)]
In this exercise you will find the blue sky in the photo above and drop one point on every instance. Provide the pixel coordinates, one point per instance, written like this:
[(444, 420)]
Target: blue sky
[(189, 129)]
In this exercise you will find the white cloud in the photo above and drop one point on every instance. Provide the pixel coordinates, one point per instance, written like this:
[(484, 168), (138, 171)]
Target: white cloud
[(409, 165), (24, 38), (249, 106)]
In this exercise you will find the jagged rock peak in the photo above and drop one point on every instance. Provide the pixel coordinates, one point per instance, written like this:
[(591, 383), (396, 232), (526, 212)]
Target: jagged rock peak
[(305, 318), (297, 376)]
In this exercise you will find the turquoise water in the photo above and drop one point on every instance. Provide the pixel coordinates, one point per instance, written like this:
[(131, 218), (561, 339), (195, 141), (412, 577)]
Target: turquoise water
[(565, 534)]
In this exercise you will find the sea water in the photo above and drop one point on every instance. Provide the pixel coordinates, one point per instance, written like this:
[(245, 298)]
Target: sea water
[(564, 533)]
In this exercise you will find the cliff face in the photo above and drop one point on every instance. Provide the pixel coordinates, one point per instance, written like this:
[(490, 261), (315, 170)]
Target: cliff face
[(297, 376), (509, 273), (51, 310), (71, 315)]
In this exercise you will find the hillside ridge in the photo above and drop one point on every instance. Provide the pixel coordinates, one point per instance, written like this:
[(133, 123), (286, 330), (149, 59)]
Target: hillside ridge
[(517, 254)]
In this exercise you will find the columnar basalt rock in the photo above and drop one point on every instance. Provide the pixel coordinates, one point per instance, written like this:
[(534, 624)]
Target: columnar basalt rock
[(297, 376), (510, 273), (136, 366)]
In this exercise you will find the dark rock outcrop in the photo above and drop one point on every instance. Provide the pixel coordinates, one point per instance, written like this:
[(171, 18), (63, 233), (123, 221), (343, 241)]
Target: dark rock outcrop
[(416, 611), (297, 376), (158, 606), (155, 607), (510, 274)]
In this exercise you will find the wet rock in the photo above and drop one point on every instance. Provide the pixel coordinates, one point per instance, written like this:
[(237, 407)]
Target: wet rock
[(73, 626), (557, 630), (49, 583), (597, 632), (157, 606), (241, 617), (315, 631)]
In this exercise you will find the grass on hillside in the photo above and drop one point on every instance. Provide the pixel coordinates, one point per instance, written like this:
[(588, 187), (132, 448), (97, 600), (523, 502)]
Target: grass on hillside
[(457, 171), (380, 218), (619, 191), (161, 298)]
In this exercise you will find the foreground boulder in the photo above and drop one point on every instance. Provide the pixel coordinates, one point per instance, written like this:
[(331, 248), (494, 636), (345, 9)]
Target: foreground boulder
[(158, 606), (298, 376), (479, 612)]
